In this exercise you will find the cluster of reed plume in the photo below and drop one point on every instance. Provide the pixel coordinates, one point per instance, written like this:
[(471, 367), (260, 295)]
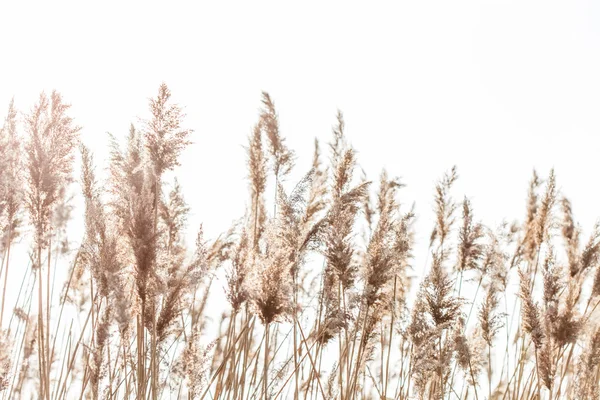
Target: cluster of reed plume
[(318, 279)]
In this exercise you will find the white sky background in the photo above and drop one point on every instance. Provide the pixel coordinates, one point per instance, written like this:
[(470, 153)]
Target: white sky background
[(496, 88)]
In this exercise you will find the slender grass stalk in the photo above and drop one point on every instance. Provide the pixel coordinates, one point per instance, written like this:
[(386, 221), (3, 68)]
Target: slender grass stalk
[(8, 243)]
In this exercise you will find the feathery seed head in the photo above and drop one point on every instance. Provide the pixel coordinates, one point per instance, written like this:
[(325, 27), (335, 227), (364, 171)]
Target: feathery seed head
[(50, 153), (531, 314), (444, 208), (470, 251), (283, 158), (165, 138)]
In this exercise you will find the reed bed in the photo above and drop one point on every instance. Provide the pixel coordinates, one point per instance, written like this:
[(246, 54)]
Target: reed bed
[(321, 300)]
